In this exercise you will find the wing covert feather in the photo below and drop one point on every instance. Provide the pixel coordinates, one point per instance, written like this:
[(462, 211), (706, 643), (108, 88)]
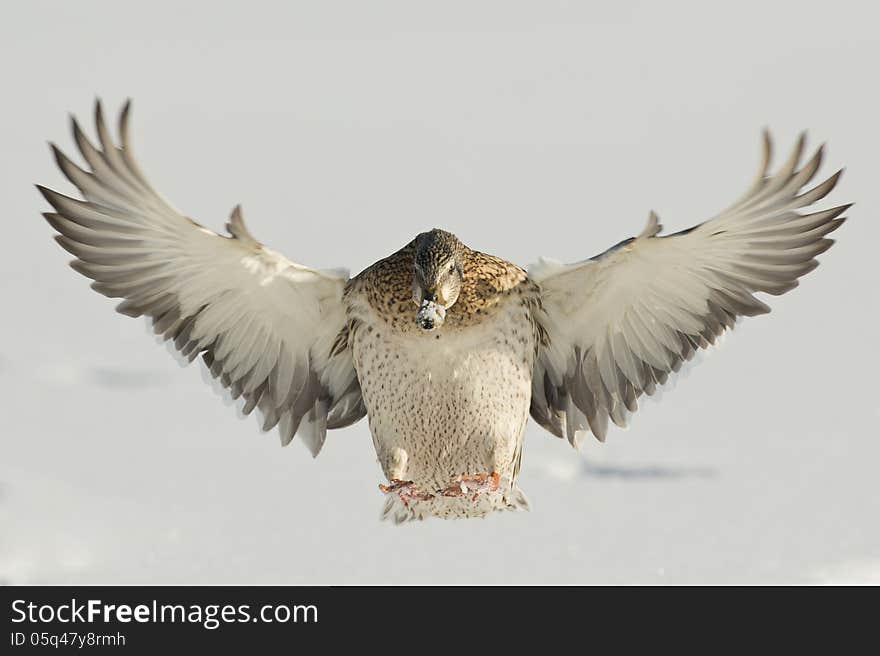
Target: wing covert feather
[(264, 325), (619, 323)]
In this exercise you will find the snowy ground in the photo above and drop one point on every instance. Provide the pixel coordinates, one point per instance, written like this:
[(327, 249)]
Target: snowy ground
[(761, 464)]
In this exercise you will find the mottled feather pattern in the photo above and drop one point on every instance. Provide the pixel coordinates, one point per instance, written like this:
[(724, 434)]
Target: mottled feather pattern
[(230, 299), (452, 401), (622, 322), (448, 396), (487, 282)]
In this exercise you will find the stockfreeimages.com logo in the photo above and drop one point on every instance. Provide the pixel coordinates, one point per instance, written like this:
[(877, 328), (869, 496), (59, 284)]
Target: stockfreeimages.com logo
[(210, 616)]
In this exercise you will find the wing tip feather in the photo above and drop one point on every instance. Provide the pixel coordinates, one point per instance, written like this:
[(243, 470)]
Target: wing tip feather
[(652, 227), (237, 228)]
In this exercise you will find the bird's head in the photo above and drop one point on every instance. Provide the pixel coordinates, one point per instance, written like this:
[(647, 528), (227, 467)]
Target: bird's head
[(437, 276)]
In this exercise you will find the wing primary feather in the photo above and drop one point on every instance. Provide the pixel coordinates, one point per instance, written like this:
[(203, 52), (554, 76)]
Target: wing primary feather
[(226, 299), (640, 309)]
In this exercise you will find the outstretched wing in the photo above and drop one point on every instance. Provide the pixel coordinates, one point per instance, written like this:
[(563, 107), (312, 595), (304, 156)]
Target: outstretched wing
[(619, 323), (264, 325)]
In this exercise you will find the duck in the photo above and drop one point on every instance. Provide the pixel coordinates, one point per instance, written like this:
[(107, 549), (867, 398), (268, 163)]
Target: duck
[(446, 350)]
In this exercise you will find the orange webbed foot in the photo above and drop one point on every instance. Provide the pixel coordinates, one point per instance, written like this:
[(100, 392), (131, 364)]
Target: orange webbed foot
[(406, 491), (472, 485)]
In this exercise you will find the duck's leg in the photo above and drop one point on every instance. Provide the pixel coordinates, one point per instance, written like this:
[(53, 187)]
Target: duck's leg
[(406, 491), (472, 485)]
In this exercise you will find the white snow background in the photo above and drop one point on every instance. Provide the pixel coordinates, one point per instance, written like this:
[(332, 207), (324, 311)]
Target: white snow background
[(528, 128)]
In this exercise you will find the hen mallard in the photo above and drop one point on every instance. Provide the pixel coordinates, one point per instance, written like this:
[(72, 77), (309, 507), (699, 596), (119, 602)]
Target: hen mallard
[(445, 349)]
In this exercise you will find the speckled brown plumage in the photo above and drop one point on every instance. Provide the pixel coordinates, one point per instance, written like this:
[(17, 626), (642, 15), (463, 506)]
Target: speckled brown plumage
[(453, 401), (487, 282), (445, 349)]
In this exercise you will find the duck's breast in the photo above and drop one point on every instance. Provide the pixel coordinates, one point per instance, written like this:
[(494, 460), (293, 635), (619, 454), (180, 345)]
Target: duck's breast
[(447, 402)]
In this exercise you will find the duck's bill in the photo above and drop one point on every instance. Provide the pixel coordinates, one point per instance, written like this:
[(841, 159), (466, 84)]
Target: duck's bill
[(430, 315)]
